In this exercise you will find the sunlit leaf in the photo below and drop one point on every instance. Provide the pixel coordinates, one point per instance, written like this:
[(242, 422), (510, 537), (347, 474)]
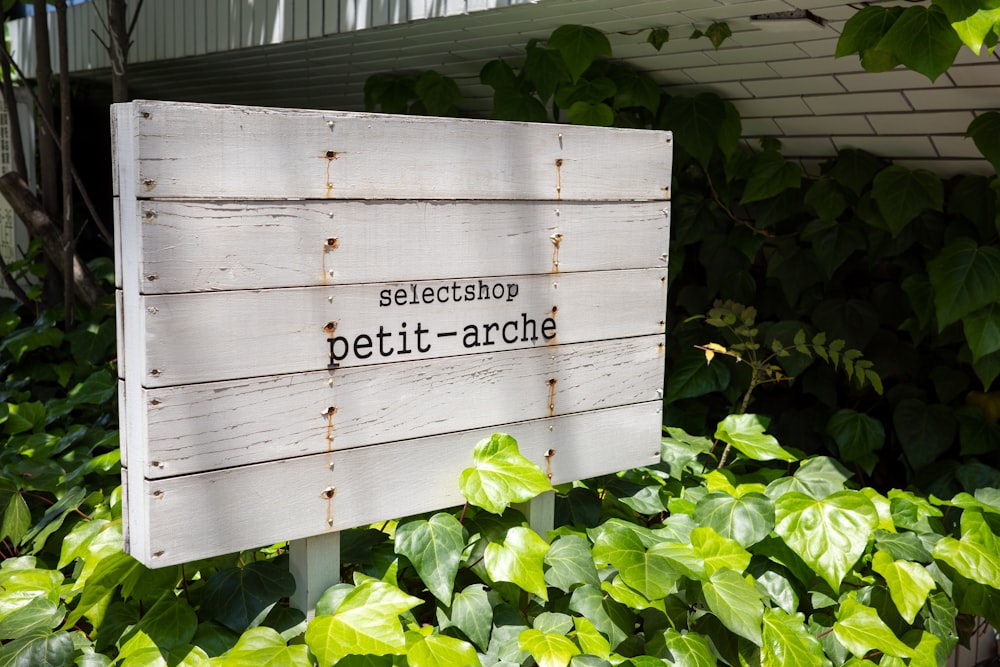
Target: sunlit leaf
[(861, 630), (439, 651), (746, 434), (746, 519), (519, 560), (736, 602), (787, 642), (435, 548), (909, 583), (548, 650), (501, 475), (570, 563), (976, 555)]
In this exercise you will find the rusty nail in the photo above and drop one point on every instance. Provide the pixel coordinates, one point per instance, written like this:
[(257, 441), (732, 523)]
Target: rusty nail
[(329, 412), (158, 554), (155, 371), (156, 464), (554, 308), (146, 114), (151, 277), (332, 242), (149, 214), (328, 493), (155, 401), (157, 494), (559, 162), (330, 327), (149, 183), (331, 155)]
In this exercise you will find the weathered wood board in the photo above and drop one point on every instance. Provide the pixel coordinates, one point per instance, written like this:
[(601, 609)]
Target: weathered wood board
[(320, 313)]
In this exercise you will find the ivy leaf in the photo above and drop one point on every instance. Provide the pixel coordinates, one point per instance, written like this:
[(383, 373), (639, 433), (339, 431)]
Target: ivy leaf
[(37, 617), (787, 642), (925, 431), (982, 330), (590, 639), (923, 40), (862, 34), (547, 650), (987, 369), (588, 90), (860, 630), (439, 651), (579, 46), (965, 277), (689, 649), (909, 583), (519, 560), (472, 613), (519, 106), (976, 555), (830, 534), (615, 621), (22, 417), (16, 519), (264, 646), (857, 435), (658, 37), (545, 69), (589, 113), (717, 33), (772, 174), (367, 622), (651, 572), (691, 377), (236, 596), (110, 572), (497, 74), (435, 549), (170, 623), (746, 433), (696, 122), (736, 602), (747, 519), (985, 132), (901, 195), (827, 198), (501, 476), (45, 650), (973, 22), (440, 94), (570, 563)]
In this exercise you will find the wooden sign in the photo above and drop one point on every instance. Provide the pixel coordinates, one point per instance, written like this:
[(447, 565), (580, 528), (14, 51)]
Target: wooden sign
[(321, 313)]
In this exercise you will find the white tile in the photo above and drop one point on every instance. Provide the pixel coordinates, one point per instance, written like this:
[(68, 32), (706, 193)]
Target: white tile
[(731, 72), (965, 56), (797, 147), (730, 90), (956, 146), (824, 125), (724, 12), (897, 79), (985, 73), (755, 54), (953, 167), (856, 103), (760, 127), (975, 99), (890, 147), (920, 123), (814, 66), (820, 48), (772, 107), (804, 85)]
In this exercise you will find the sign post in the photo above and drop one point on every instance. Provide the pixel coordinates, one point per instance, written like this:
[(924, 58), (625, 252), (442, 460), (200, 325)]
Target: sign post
[(322, 312)]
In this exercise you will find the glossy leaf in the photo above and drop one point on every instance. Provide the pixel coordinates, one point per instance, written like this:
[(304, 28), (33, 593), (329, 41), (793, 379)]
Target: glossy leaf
[(787, 642), (367, 621), (236, 596), (858, 436), (746, 434), (862, 34), (976, 555), (965, 277), (923, 40), (830, 534), (691, 377), (861, 630), (169, 623), (501, 476), (38, 616), (736, 602), (439, 651), (651, 572), (985, 132), (570, 563), (613, 620), (696, 122), (902, 195), (472, 613), (519, 560), (435, 548), (689, 649), (909, 583), (747, 519), (548, 650), (264, 646), (45, 650), (590, 638), (818, 477)]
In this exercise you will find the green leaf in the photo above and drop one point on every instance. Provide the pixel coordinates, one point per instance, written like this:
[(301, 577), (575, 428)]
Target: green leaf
[(236, 596), (717, 33), (901, 195), (615, 621), (435, 549), (696, 122), (440, 94), (787, 642), (264, 646), (985, 132), (498, 75), (747, 519), (472, 613), (658, 37), (171, 622), (501, 476), (746, 434), (586, 90), (43, 333), (547, 650), (689, 649), (47, 650), (579, 46), (925, 431), (110, 572), (982, 330), (439, 651), (23, 417), (772, 174), (923, 40), (827, 198), (830, 534), (972, 21), (518, 106), (976, 555), (366, 622), (39, 616), (864, 30), (546, 69), (857, 435), (519, 560), (736, 602), (691, 377), (909, 583), (987, 369), (651, 572), (860, 629), (16, 519), (589, 113), (570, 563), (590, 639)]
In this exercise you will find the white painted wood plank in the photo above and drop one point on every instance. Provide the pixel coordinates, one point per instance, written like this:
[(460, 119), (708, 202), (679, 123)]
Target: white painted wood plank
[(379, 10), (213, 336), (330, 492), (417, 9), (202, 151), (540, 512), (315, 564), (331, 17), (202, 427), (315, 22), (208, 246)]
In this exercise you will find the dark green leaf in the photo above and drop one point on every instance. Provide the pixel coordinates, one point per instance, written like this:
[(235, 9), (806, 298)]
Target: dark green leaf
[(691, 377), (236, 596), (546, 69), (965, 277), (923, 40), (579, 46), (16, 519), (865, 29), (901, 195), (925, 431), (614, 620), (827, 198), (587, 90), (435, 549), (588, 113), (985, 132), (855, 169), (857, 435), (47, 650), (440, 94), (171, 622), (498, 75), (982, 330), (518, 106), (771, 175), (833, 242), (390, 93), (987, 369), (696, 122), (658, 37), (43, 333)]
